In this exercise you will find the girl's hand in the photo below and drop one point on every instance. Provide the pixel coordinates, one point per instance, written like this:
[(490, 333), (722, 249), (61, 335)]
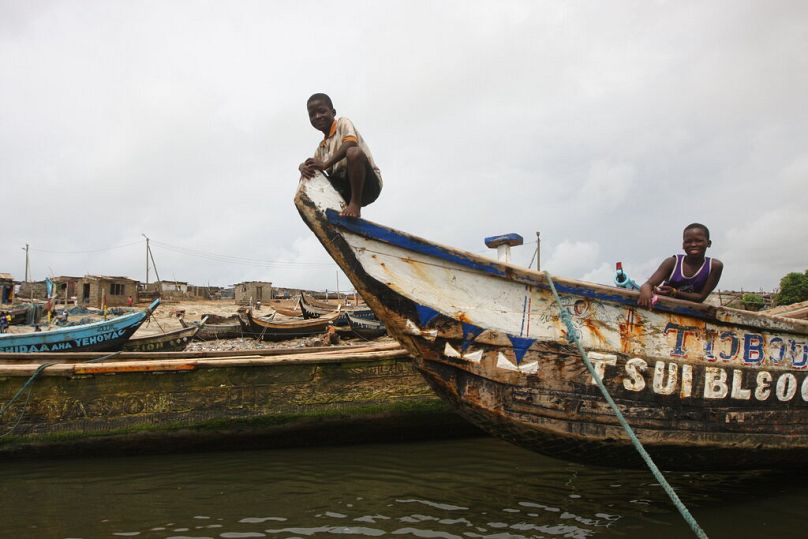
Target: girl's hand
[(646, 296)]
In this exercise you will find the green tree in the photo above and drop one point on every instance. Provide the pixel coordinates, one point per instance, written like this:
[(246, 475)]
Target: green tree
[(793, 288), (752, 302)]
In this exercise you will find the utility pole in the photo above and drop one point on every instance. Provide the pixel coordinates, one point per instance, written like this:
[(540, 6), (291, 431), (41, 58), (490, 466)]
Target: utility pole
[(538, 251), (26, 261), (147, 258)]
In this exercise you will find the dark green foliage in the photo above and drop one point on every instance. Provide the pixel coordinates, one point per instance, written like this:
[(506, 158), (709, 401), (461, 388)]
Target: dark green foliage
[(793, 288), (752, 302)]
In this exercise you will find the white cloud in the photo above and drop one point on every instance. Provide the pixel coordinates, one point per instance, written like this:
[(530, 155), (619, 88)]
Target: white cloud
[(572, 258), (606, 127), (607, 185)]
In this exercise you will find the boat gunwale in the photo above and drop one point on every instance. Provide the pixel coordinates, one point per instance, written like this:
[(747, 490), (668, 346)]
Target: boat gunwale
[(564, 285)]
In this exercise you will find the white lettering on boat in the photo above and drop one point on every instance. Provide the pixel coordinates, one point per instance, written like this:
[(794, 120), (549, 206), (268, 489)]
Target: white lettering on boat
[(66, 345), (709, 382)]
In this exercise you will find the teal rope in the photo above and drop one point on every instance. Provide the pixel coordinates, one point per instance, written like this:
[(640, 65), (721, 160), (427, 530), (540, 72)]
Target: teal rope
[(39, 370), (572, 336)]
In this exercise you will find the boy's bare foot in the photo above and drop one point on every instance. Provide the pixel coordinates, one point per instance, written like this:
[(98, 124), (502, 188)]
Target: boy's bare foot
[(352, 210)]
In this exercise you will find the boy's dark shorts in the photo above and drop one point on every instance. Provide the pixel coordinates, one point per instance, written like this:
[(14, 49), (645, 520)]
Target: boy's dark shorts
[(370, 191)]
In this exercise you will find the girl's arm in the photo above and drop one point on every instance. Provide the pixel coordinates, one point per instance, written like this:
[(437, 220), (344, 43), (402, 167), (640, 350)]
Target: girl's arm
[(647, 288)]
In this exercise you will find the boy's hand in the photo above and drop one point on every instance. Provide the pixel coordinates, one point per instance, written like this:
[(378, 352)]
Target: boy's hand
[(306, 169), (316, 164)]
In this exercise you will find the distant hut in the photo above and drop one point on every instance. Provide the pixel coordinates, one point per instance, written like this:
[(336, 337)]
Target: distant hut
[(172, 289), (227, 292), (101, 290), (252, 291), (66, 287), (33, 290), (205, 292)]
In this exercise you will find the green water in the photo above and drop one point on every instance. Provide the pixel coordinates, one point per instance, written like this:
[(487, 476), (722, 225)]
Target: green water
[(472, 488)]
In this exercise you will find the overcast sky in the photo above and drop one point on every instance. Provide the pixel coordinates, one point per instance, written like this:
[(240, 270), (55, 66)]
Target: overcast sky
[(607, 126)]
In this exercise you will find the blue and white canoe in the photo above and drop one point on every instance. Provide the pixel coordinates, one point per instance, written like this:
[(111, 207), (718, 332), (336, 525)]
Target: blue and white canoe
[(103, 336), (703, 387)]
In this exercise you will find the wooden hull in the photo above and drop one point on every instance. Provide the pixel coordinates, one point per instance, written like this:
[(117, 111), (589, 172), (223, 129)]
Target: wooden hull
[(285, 311), (282, 399), (703, 387), (19, 313), (101, 336), (171, 341), (290, 329), (367, 329), (310, 310), (231, 327)]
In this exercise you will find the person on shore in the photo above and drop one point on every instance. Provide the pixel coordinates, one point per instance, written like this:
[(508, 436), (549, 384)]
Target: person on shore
[(691, 276), (342, 156)]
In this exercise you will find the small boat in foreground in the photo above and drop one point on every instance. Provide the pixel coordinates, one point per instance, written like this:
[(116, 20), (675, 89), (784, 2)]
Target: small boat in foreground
[(169, 341), (106, 335), (703, 387)]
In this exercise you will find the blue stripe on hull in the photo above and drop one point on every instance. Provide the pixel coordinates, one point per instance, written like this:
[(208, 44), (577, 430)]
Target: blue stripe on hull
[(393, 237)]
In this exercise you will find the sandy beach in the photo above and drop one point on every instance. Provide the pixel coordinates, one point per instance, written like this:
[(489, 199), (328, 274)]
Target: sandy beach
[(167, 318)]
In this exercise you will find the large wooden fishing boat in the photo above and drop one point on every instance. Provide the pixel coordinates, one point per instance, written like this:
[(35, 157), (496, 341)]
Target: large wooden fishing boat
[(703, 387), (100, 402), (98, 336)]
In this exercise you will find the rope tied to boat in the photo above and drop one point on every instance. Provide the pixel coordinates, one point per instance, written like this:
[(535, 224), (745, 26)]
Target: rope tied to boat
[(28, 383), (573, 336)]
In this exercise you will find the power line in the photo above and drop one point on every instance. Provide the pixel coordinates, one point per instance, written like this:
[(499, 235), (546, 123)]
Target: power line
[(207, 255), (239, 260), (104, 249)]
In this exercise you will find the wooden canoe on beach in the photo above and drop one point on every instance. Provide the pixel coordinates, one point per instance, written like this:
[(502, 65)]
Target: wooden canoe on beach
[(99, 336), (169, 341), (218, 327), (288, 329), (366, 328), (703, 387), (311, 310)]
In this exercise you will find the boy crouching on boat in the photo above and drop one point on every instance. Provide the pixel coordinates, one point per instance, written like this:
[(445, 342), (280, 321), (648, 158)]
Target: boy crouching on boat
[(342, 156), (691, 276)]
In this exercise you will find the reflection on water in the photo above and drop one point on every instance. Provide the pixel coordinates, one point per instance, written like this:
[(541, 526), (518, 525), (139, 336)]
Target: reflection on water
[(475, 488)]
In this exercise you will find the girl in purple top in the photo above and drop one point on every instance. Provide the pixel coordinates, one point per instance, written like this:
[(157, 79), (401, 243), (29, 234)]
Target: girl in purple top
[(691, 276)]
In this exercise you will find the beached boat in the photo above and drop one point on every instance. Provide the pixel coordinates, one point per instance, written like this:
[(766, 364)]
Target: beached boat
[(100, 336), (313, 310), (269, 330), (169, 341), (218, 327), (292, 312), (20, 313), (703, 387), (366, 328)]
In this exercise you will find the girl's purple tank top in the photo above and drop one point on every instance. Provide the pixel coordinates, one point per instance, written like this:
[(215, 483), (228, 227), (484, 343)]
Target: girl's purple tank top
[(694, 283)]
